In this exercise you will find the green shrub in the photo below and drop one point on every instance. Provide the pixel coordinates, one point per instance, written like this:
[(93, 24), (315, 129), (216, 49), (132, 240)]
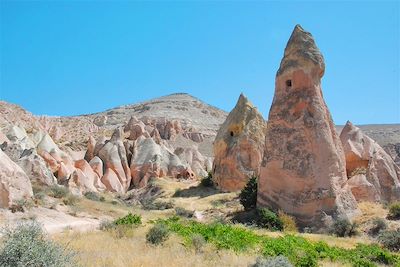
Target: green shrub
[(394, 211), (130, 219), (343, 227), (157, 234), (58, 191), (179, 211), (26, 245), (298, 250), (248, 195), (198, 242), (378, 225), (268, 219), (207, 181), (390, 240), (94, 196), (278, 261)]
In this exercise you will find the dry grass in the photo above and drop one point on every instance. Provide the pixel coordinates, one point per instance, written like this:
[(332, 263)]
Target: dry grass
[(108, 249), (369, 211)]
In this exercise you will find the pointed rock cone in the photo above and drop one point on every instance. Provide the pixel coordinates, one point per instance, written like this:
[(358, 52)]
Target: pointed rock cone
[(238, 147), (303, 170)]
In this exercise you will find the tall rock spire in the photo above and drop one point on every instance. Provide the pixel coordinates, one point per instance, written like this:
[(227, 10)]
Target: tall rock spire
[(303, 170)]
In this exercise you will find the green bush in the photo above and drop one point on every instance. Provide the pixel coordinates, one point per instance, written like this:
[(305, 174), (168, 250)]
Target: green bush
[(130, 219), (278, 261), (248, 195), (157, 234), (58, 191), (268, 219), (343, 227), (207, 181), (390, 240), (150, 204), (94, 196), (298, 250), (26, 245), (394, 211), (378, 225)]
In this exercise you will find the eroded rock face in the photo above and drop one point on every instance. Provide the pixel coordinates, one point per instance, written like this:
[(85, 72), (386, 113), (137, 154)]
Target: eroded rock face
[(239, 146), (365, 155), (113, 155), (14, 183), (153, 160), (303, 170)]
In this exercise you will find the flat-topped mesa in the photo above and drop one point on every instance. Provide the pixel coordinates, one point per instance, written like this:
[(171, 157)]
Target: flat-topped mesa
[(239, 146), (303, 170)]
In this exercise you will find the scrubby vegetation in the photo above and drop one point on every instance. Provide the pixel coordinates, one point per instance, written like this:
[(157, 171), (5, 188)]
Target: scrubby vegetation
[(179, 211), (207, 181), (378, 225), (94, 196), (157, 234), (343, 227), (270, 220), (278, 261), (394, 211), (130, 219), (300, 251), (27, 245), (289, 223), (248, 195), (390, 239), (58, 191)]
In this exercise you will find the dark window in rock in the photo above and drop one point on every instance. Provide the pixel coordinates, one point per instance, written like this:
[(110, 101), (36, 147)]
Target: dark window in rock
[(289, 83), (231, 133)]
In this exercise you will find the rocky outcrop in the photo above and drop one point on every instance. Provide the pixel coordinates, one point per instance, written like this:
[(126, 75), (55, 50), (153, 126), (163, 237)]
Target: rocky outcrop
[(113, 155), (239, 146), (365, 156), (14, 183), (303, 170), (153, 160)]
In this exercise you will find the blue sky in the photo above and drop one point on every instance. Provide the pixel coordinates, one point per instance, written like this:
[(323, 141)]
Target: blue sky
[(69, 58)]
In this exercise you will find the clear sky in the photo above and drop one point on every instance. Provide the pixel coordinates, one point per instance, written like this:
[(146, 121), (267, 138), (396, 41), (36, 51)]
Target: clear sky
[(75, 57)]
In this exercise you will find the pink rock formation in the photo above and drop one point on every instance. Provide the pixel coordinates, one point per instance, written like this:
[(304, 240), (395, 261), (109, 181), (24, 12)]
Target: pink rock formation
[(362, 189), (365, 155), (303, 171), (97, 165), (114, 157), (14, 183), (90, 149), (92, 177), (112, 182), (238, 147)]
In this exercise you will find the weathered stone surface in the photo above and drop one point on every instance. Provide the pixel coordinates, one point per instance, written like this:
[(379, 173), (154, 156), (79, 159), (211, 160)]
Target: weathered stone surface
[(303, 171), (14, 183), (362, 189), (111, 181), (153, 160), (97, 165), (113, 155), (365, 155), (239, 146), (90, 149), (92, 177)]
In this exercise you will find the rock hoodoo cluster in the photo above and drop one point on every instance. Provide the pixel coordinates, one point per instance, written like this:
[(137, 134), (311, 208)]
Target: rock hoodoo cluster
[(239, 146), (303, 171), (373, 175)]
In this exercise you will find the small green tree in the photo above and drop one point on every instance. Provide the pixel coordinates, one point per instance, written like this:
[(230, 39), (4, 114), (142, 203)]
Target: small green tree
[(248, 195)]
